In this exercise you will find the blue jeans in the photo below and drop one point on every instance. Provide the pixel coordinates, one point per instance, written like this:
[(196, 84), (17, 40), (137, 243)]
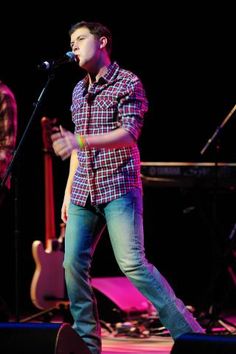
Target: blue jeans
[(124, 219)]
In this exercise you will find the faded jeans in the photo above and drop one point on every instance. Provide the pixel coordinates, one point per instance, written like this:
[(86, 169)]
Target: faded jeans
[(124, 219)]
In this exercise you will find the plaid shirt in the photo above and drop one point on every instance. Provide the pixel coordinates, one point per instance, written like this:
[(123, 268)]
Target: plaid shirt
[(8, 127), (117, 99)]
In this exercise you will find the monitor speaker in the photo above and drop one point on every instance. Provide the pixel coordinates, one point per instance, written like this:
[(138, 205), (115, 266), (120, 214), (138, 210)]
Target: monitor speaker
[(38, 338), (204, 344)]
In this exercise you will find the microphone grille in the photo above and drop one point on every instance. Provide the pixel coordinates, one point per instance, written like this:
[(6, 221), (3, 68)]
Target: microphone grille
[(70, 55)]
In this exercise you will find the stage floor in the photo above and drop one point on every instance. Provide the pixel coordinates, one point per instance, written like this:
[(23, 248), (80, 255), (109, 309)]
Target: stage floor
[(156, 345), (159, 344)]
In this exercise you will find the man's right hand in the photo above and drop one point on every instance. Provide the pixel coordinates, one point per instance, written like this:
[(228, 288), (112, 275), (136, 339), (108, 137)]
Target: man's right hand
[(63, 143)]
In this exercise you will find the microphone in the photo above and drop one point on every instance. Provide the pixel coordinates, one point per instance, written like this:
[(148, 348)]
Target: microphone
[(53, 64)]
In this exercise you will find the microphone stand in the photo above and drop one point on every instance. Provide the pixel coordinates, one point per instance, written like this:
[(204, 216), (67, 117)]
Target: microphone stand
[(214, 309), (217, 131), (37, 105)]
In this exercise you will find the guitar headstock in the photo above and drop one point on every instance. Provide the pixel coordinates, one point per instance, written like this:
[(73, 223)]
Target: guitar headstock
[(48, 125)]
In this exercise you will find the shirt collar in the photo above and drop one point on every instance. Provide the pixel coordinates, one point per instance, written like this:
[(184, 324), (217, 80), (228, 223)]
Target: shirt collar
[(109, 76), (111, 72)]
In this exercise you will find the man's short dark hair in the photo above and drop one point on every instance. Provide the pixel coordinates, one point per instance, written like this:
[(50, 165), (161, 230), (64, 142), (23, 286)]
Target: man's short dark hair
[(97, 29)]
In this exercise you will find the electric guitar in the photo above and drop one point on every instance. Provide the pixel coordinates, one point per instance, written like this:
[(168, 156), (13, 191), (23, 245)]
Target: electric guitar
[(48, 282)]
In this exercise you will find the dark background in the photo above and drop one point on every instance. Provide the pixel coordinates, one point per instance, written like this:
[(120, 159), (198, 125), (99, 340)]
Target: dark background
[(185, 56)]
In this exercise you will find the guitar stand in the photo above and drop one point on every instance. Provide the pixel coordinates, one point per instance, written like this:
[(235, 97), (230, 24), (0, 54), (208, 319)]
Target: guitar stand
[(59, 312), (211, 320)]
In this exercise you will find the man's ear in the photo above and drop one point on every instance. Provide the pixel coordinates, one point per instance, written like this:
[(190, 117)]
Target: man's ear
[(103, 42)]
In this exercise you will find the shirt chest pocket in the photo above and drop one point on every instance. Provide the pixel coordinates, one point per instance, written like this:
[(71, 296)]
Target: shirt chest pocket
[(105, 103), (104, 114)]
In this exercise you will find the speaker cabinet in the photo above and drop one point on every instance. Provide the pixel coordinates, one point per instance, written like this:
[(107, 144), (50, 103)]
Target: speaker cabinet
[(38, 338), (204, 344)]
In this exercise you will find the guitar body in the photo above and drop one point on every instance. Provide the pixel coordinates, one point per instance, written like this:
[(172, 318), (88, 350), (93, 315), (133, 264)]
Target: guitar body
[(48, 285)]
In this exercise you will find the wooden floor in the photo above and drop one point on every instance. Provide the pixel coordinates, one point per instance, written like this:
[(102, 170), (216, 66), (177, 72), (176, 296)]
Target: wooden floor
[(156, 345), (159, 344)]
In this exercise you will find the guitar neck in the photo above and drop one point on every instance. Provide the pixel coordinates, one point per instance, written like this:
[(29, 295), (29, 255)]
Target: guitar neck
[(50, 229)]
